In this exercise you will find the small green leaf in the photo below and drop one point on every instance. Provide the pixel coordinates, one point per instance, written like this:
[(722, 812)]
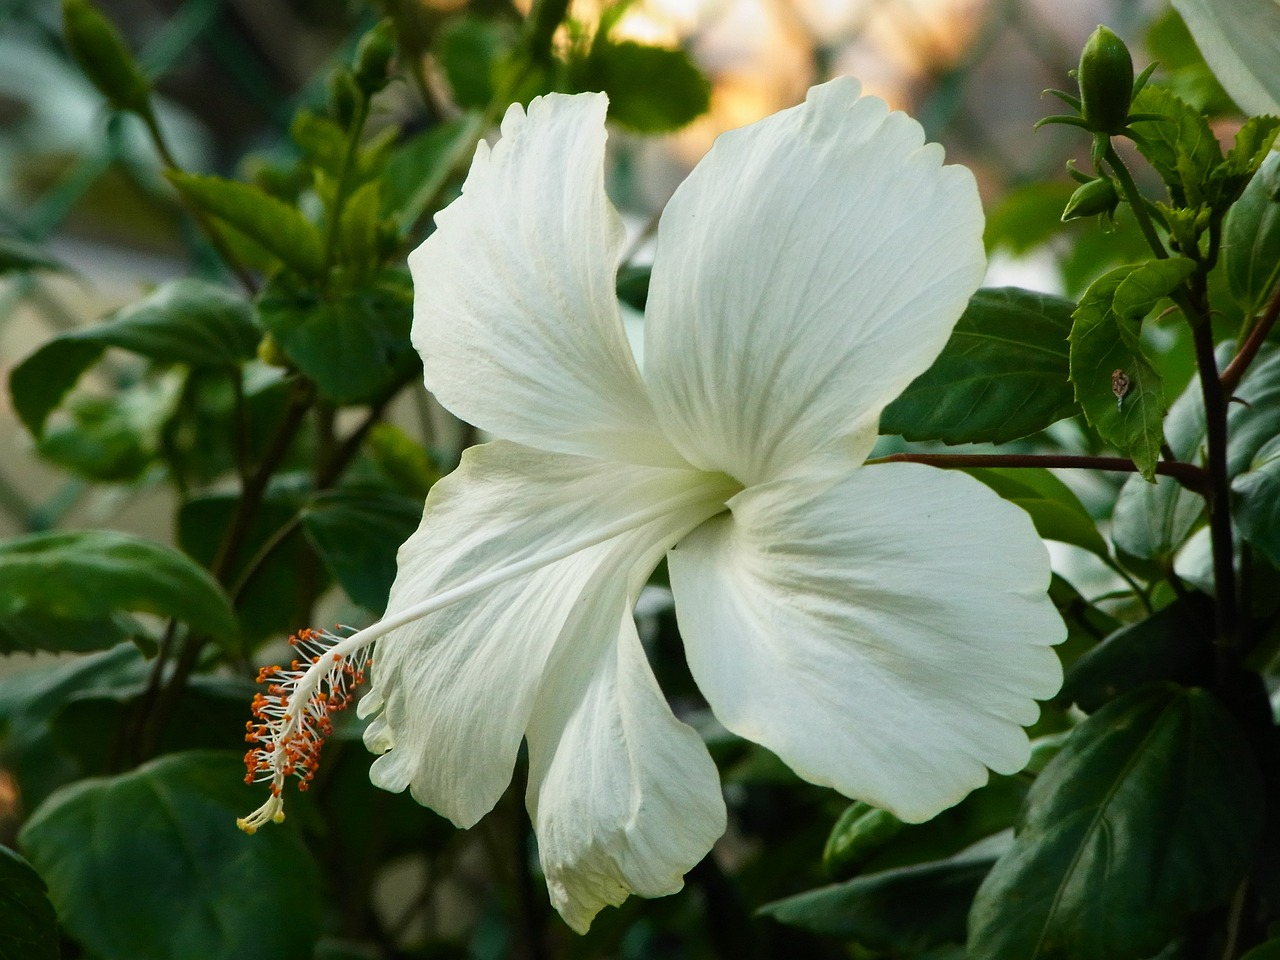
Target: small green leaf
[(357, 533), (92, 574), (149, 865), (470, 51), (322, 141), (354, 345), (1057, 512), (417, 172), (358, 245), (1116, 384), (1174, 644), (1002, 375), (18, 255), (1251, 239), (1150, 814), (28, 925), (1257, 493), (184, 321), (1181, 147), (651, 89), (112, 439), (903, 912), (270, 223)]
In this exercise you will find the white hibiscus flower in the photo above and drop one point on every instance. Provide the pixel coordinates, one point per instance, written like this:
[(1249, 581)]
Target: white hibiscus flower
[(884, 630)]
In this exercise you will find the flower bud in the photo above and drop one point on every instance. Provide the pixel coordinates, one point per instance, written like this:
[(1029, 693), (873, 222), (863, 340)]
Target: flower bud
[(1105, 76), (373, 56), (101, 53), (1095, 198), (344, 97)]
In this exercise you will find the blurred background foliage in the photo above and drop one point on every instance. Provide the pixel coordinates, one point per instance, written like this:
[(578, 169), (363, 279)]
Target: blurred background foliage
[(245, 90)]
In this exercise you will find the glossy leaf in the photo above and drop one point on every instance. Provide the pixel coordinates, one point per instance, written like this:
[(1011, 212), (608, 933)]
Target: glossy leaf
[(185, 321), (1251, 239), (92, 574), (1257, 493), (906, 911), (1055, 510), (1002, 375), (28, 926), (354, 345), (149, 865), (31, 630), (1150, 814), (357, 533), (1174, 644), (651, 89), (271, 224), (1106, 351), (1181, 147)]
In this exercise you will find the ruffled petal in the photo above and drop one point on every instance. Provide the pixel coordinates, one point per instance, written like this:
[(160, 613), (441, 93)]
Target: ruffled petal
[(1240, 40), (515, 312), (454, 689), (811, 267), (624, 797), (887, 636)]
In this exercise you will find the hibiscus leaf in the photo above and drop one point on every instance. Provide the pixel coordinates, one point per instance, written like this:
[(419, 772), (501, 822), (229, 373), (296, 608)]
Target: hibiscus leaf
[(1257, 494), (1251, 239), (1180, 146), (1002, 375), (92, 574), (651, 89), (472, 52), (1057, 512), (883, 911), (32, 630), (1115, 382), (354, 345), (28, 926), (271, 224), (357, 534), (185, 321), (1162, 775), (1174, 644), (148, 865)]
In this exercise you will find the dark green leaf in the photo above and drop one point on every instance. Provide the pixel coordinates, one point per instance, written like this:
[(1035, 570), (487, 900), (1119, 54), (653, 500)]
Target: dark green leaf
[(28, 926), (149, 865), (1264, 951), (92, 574), (357, 534), (1149, 814), (185, 321), (354, 345), (470, 51), (650, 89), (34, 630), (417, 172), (1257, 494), (1002, 375), (112, 439), (1057, 512), (1115, 382), (273, 225), (18, 255), (905, 911), (1174, 644), (1251, 239)]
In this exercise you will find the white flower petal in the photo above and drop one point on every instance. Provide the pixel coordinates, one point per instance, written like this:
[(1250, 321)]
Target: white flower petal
[(455, 688), (515, 312), (624, 797), (811, 266), (886, 636), (1240, 40)]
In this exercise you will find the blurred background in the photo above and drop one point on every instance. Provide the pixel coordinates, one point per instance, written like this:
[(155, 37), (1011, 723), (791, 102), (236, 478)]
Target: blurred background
[(230, 74)]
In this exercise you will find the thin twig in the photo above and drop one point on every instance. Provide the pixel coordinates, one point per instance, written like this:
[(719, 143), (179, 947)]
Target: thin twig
[(1188, 474)]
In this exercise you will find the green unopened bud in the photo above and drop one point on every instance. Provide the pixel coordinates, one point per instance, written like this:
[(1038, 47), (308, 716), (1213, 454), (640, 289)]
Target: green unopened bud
[(1095, 198), (1106, 82), (373, 57), (101, 53), (344, 97), (861, 831)]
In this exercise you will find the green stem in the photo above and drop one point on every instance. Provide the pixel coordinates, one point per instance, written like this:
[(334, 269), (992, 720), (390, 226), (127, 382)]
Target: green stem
[(342, 190), (1136, 202)]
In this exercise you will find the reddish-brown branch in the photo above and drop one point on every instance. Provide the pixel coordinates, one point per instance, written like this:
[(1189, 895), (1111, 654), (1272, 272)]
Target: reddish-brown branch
[(1187, 474)]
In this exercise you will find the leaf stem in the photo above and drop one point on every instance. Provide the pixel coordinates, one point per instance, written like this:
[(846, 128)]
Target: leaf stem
[(1136, 202), (1235, 370), (1187, 474)]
